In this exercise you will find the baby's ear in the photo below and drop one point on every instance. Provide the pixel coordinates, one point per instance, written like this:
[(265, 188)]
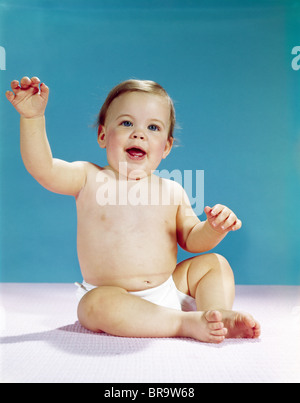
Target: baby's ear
[(101, 136), (168, 147)]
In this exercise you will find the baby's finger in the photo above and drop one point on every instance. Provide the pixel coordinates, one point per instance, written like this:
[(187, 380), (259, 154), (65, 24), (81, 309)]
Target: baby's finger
[(35, 81), (208, 211), (230, 221), (222, 217), (25, 83), (15, 86), (44, 90), (217, 209), (236, 226), (10, 96)]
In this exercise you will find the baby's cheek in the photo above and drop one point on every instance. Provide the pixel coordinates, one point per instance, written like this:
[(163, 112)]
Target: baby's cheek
[(114, 148)]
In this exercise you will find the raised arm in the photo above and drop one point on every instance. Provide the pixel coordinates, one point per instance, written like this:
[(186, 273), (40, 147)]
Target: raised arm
[(30, 99)]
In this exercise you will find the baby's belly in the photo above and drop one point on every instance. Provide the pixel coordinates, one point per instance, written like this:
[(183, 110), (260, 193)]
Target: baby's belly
[(132, 263)]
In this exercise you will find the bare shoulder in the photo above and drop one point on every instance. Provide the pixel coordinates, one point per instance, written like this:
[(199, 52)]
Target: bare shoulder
[(89, 172), (173, 190), (91, 169), (172, 185)]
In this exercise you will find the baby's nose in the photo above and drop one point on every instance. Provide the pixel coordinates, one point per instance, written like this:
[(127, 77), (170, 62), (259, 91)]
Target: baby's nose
[(138, 134)]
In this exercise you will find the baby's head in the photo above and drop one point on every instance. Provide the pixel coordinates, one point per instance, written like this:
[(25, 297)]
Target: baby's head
[(136, 125), (145, 86)]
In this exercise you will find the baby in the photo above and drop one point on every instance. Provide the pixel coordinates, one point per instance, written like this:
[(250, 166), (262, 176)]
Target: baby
[(127, 251)]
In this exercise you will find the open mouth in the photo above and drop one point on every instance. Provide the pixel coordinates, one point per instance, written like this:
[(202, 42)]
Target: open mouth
[(136, 153)]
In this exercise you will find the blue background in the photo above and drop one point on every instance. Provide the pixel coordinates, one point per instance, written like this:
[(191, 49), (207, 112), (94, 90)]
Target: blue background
[(226, 64)]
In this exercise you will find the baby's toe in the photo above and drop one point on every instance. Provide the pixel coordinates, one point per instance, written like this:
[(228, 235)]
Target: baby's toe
[(249, 321), (216, 339), (213, 316), (220, 332), (215, 325), (256, 331)]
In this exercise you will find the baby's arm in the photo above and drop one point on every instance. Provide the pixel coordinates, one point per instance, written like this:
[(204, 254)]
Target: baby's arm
[(56, 175), (197, 236)]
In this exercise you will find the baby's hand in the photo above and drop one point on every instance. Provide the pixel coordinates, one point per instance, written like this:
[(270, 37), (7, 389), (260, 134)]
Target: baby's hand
[(222, 219), (28, 99)]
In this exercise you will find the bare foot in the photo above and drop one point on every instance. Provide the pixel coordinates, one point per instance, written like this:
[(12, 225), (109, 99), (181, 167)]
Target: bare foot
[(240, 325), (215, 326), (204, 326)]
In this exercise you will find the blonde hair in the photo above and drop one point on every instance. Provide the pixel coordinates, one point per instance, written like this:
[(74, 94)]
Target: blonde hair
[(149, 87)]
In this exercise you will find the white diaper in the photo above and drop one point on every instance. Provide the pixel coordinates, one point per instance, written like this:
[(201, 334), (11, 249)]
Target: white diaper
[(165, 295)]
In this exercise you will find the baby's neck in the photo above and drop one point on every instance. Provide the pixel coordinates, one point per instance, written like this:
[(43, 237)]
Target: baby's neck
[(133, 177)]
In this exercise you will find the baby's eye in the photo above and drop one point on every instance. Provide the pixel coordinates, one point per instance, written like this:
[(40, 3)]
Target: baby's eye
[(126, 123), (153, 128)]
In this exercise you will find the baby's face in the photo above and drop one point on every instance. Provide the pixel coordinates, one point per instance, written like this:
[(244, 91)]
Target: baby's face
[(136, 132)]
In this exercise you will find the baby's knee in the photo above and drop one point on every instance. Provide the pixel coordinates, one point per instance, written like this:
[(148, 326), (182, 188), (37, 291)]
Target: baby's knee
[(86, 311), (222, 264), (95, 306), (218, 262)]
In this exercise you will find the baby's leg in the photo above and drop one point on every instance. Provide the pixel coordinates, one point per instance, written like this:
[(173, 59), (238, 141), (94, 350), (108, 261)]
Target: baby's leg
[(115, 311), (209, 279)]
